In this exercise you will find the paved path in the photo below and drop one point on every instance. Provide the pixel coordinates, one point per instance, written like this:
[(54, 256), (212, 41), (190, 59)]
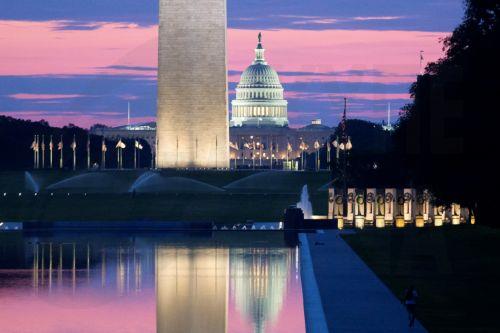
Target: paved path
[(353, 298)]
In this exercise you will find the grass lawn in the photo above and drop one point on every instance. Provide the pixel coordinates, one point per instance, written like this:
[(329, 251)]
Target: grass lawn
[(264, 202), (219, 208), (456, 271)]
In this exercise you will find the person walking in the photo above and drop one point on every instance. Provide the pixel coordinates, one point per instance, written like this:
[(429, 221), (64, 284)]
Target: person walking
[(410, 302)]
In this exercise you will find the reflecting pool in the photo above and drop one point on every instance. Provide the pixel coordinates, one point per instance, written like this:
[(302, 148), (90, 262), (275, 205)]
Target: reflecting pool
[(162, 282)]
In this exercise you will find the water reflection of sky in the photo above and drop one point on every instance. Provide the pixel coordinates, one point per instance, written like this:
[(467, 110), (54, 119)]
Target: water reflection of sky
[(107, 284)]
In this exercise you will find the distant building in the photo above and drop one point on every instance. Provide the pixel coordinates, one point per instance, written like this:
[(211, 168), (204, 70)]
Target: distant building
[(259, 95), (259, 119)]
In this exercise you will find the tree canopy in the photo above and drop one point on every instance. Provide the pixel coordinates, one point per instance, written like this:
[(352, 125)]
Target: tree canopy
[(444, 138)]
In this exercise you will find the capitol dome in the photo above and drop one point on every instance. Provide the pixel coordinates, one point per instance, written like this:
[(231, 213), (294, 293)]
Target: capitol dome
[(259, 95), (260, 75)]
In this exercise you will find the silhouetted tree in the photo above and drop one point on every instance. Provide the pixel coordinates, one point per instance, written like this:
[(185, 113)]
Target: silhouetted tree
[(445, 137)]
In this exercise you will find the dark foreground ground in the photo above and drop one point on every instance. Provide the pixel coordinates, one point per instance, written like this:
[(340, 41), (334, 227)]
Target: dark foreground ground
[(456, 271)]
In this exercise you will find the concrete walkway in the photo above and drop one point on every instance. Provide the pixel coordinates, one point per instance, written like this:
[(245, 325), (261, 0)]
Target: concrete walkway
[(353, 298)]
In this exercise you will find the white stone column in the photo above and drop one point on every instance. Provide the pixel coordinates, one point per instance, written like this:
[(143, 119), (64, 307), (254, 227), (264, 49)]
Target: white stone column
[(331, 202), (390, 199), (408, 205), (380, 210), (351, 197), (338, 206), (439, 214), (455, 214), (426, 207), (359, 210), (399, 209), (371, 194)]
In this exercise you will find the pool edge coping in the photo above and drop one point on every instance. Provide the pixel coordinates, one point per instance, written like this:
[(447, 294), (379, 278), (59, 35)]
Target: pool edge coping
[(314, 314)]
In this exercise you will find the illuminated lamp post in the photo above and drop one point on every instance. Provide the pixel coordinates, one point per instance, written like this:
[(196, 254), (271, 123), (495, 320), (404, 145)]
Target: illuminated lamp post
[(343, 146)]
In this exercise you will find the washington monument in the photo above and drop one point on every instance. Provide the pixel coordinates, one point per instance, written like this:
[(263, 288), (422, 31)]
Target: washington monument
[(192, 118)]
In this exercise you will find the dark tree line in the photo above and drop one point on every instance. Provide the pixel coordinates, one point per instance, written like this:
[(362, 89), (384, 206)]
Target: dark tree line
[(16, 137), (445, 138)]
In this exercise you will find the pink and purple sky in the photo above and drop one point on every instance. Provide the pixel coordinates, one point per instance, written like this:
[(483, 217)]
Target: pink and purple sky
[(81, 62)]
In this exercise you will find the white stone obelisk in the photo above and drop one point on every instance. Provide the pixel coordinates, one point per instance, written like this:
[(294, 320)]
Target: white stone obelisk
[(192, 117)]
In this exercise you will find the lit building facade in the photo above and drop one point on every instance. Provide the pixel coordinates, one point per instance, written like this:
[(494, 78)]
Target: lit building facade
[(259, 95)]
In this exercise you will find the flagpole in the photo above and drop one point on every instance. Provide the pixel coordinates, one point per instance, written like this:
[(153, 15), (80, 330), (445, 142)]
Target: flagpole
[(43, 151), (128, 116), (328, 151), (103, 149), (74, 152), (135, 154), (421, 62), (287, 150), (317, 160), (243, 152), (260, 154), (37, 152), (61, 164), (33, 147), (156, 153), (271, 154), (253, 153), (88, 151), (51, 148), (139, 156), (277, 153)]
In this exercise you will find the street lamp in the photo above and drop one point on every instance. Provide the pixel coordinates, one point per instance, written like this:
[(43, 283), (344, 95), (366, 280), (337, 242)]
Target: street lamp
[(303, 147), (317, 146), (343, 146)]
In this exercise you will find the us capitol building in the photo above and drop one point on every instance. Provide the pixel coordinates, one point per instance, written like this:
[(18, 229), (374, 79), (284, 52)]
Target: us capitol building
[(259, 128)]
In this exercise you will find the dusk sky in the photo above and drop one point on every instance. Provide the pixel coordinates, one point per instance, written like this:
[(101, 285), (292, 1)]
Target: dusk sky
[(82, 61)]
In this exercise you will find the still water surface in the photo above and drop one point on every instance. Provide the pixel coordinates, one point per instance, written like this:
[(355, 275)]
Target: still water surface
[(182, 283)]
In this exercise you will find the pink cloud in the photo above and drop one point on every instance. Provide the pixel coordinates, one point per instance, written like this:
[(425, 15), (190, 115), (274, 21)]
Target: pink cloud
[(44, 96), (39, 48), (300, 114), (326, 97)]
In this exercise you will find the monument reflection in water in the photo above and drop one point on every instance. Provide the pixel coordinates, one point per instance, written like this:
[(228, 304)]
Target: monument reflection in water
[(161, 283)]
